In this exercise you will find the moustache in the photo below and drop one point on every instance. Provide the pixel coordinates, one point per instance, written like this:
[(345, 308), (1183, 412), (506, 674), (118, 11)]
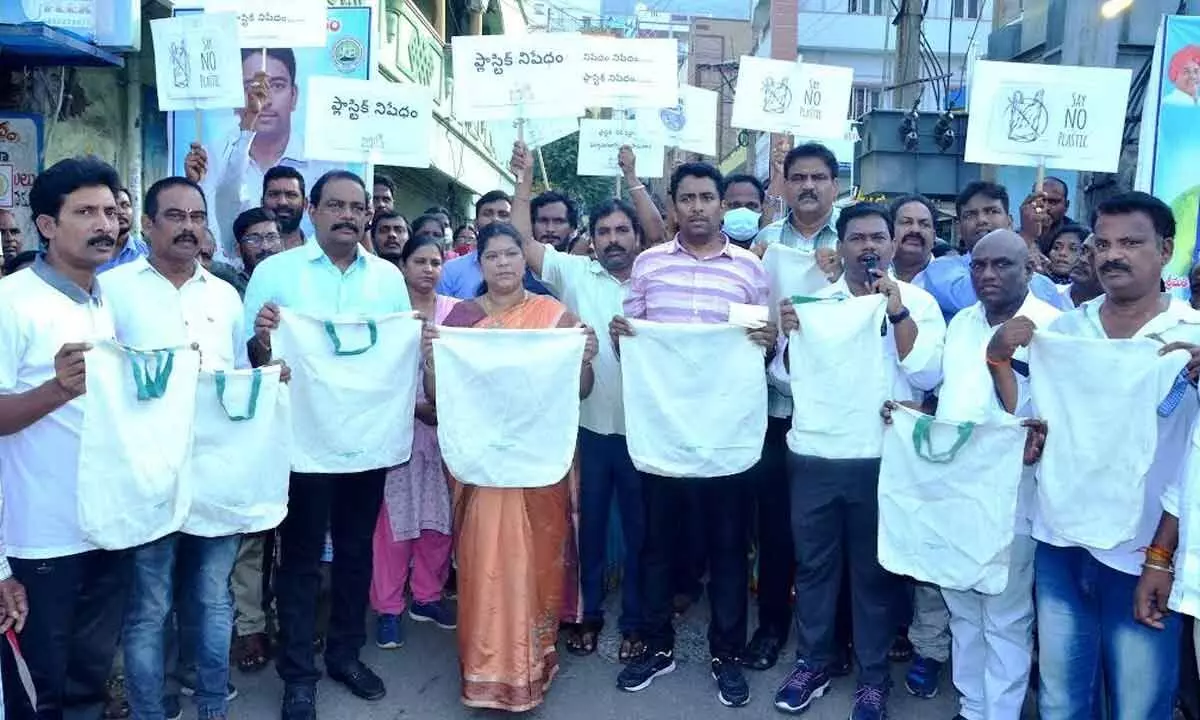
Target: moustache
[(615, 249), (345, 226), (914, 236), (1115, 265), (101, 240), (184, 237), (810, 194)]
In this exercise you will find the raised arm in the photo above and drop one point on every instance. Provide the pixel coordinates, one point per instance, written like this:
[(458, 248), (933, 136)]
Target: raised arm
[(654, 230), (521, 165)]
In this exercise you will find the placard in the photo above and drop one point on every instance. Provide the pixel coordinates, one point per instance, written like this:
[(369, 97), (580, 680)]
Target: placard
[(1070, 118), (6, 185), (276, 23), (600, 142), (197, 63), (794, 98), (497, 77), (629, 73), (538, 133), (381, 122), (690, 124)]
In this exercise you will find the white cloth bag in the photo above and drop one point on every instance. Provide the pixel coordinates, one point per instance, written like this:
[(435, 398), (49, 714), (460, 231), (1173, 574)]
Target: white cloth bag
[(792, 272), (508, 404), (948, 494), (695, 399), (353, 389), (838, 372), (1099, 399), (241, 456), (136, 442)]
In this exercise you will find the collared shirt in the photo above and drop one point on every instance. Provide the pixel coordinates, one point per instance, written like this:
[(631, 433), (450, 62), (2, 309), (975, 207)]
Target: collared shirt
[(150, 312), (948, 279), (671, 284), (968, 394), (783, 231), (239, 279), (462, 277), (1163, 481), (134, 248), (40, 311), (305, 280), (593, 294)]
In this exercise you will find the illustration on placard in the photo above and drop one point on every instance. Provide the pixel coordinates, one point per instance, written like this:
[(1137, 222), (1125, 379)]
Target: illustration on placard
[(1026, 115), (673, 118), (777, 96), (180, 65)]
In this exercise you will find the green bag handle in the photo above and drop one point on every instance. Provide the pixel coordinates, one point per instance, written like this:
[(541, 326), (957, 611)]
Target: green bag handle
[(923, 442), (806, 299), (337, 343), (150, 388), (251, 406)]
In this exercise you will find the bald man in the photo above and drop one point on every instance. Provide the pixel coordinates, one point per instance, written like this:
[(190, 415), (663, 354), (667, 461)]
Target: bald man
[(11, 241), (993, 634)]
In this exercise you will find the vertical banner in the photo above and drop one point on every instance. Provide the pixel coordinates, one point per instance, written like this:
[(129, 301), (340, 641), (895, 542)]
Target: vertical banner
[(21, 147), (1175, 101), (280, 130)]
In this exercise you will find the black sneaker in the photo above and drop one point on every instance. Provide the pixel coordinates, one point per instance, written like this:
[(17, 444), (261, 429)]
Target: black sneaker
[(299, 703), (358, 679), (732, 689), (639, 673)]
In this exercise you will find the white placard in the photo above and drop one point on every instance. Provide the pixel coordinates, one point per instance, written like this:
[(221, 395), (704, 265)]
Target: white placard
[(1070, 118), (276, 23), (795, 98), (380, 122), (690, 124), (600, 142), (629, 73), (498, 77), (538, 133), (197, 63)]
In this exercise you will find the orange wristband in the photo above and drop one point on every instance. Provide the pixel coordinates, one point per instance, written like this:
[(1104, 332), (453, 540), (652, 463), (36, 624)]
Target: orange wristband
[(997, 363)]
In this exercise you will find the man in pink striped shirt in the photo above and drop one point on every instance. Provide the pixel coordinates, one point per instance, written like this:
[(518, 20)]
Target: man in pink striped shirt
[(695, 278)]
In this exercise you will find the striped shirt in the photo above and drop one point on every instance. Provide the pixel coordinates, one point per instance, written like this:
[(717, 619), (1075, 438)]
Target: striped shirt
[(671, 284)]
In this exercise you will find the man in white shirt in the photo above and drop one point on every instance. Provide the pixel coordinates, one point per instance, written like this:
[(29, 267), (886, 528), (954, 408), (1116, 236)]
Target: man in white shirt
[(163, 301), (834, 479), (594, 290), (993, 634), (1085, 595), (49, 317)]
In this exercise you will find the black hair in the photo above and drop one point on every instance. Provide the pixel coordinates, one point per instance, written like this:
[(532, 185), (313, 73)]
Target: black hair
[(460, 228), (52, 186), (437, 210), (610, 207), (319, 186), (385, 215), (416, 243), (1133, 202), (941, 248), (811, 150), (490, 197), (731, 180), (696, 170), (861, 210), (284, 172), (486, 236), (989, 190), (549, 198), (19, 261), (1060, 181), (894, 208), (283, 55), (125, 190), (253, 216), (1070, 229), (415, 226), (150, 208), (385, 181)]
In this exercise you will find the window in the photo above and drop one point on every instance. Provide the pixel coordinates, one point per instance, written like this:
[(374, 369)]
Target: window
[(866, 7), (863, 100), (968, 9)]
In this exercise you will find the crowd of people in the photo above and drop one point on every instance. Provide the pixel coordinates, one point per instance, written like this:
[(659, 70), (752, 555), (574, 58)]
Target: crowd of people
[(513, 571)]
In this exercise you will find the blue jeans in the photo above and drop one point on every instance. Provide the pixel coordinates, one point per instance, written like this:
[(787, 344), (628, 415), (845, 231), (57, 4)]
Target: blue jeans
[(605, 468), (1092, 652), (200, 567)]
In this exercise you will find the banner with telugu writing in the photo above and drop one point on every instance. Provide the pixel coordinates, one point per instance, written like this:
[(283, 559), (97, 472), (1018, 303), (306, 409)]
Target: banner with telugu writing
[(629, 73), (498, 77), (276, 23), (378, 121), (600, 142)]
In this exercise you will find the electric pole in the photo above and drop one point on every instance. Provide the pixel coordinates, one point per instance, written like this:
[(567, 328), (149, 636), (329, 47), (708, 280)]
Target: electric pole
[(785, 37), (908, 54)]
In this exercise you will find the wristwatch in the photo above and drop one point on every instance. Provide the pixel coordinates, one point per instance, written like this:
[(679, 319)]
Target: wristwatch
[(899, 317)]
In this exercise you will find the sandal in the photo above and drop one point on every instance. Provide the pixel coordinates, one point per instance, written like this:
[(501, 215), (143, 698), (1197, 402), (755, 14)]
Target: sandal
[(632, 647), (251, 652), (582, 637)]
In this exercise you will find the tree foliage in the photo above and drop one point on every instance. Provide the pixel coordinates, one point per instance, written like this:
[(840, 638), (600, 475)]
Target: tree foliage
[(562, 158)]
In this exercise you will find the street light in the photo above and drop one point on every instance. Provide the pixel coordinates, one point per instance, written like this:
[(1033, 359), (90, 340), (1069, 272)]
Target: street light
[(1112, 8)]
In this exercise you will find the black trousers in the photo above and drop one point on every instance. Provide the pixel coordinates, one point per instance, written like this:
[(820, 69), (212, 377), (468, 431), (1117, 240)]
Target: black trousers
[(835, 515), (720, 506), (347, 505), (77, 607), (773, 516)]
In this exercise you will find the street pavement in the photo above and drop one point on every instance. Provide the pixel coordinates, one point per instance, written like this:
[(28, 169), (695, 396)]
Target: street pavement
[(423, 684)]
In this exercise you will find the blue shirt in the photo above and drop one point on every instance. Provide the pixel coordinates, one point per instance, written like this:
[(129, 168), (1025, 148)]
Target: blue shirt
[(462, 276), (134, 248), (948, 280), (305, 280)]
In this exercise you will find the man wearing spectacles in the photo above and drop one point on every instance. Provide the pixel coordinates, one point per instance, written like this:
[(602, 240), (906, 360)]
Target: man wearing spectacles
[(257, 234)]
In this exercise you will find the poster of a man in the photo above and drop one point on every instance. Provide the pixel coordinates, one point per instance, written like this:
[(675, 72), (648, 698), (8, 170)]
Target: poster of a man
[(1184, 73), (243, 144)]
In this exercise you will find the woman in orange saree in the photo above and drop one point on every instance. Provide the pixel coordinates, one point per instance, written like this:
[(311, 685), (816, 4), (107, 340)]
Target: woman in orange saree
[(514, 546)]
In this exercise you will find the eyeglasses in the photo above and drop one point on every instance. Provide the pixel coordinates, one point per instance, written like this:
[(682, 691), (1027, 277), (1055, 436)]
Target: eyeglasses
[(260, 241)]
